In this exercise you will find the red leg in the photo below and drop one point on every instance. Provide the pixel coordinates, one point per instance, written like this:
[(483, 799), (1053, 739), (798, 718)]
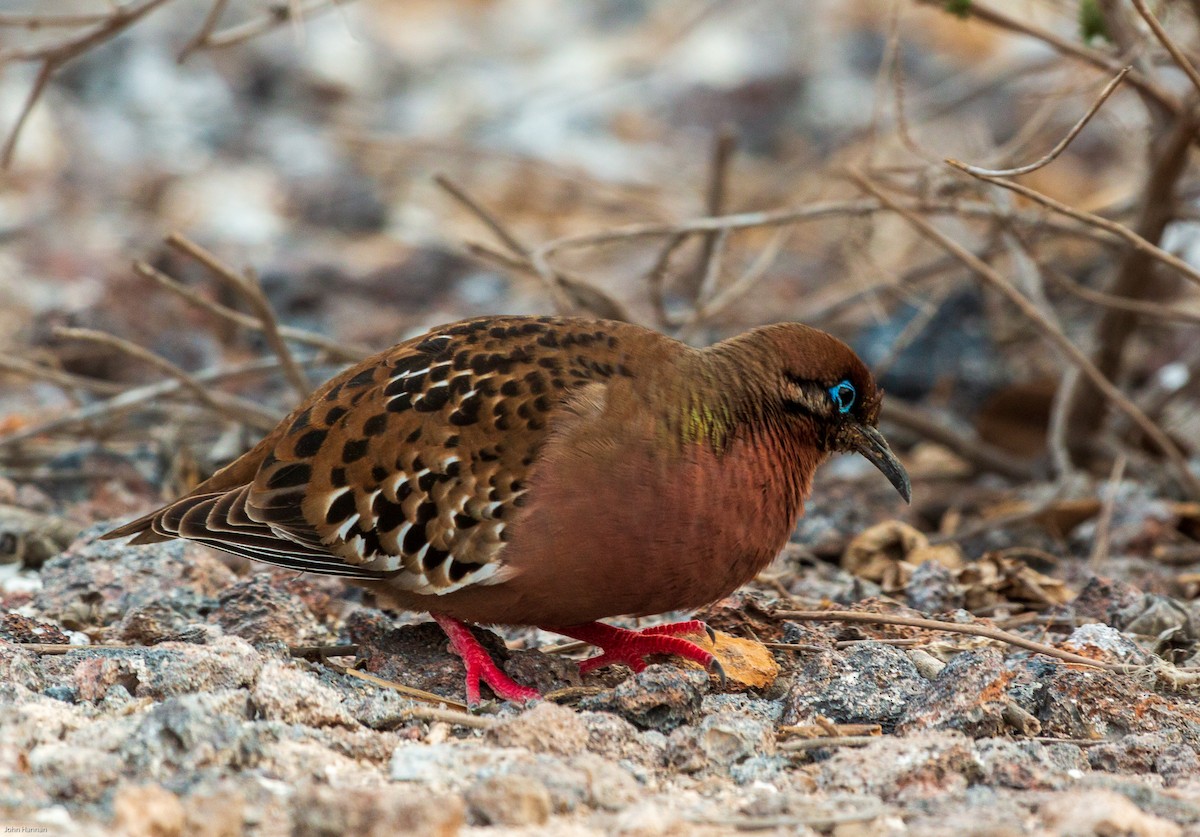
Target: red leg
[(480, 665), (632, 647)]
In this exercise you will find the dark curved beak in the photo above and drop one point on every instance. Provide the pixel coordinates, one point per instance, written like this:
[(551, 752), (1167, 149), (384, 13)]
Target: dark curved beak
[(870, 443)]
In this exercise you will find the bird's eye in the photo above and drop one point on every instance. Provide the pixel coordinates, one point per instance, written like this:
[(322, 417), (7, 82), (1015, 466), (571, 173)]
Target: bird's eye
[(843, 396)]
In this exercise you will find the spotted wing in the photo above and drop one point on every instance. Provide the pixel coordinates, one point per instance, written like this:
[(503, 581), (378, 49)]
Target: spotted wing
[(410, 465)]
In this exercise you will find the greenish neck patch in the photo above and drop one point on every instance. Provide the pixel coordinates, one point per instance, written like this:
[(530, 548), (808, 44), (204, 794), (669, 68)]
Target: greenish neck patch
[(712, 423), (717, 395)]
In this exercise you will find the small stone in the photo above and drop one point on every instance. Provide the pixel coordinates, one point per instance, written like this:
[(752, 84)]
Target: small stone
[(1101, 812), (147, 811), (546, 728), (873, 683), (260, 612), (1103, 642), (968, 695), (509, 800), (325, 811), (661, 697), (284, 692)]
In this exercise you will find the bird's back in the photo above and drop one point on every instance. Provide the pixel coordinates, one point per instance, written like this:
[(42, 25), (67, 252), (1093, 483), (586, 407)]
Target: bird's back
[(410, 466)]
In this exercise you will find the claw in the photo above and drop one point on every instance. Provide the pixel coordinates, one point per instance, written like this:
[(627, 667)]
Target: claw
[(712, 635), (715, 667)]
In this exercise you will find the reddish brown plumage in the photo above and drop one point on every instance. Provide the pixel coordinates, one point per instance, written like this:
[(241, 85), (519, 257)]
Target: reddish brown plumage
[(541, 471)]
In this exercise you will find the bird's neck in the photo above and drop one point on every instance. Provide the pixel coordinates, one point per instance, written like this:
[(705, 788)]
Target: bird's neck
[(728, 405), (715, 395)]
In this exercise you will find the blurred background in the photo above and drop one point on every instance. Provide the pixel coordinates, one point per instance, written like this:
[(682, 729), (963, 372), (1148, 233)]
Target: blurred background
[(303, 142)]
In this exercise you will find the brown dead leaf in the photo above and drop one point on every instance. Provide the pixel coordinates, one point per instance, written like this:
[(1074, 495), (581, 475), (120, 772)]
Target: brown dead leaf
[(748, 663), (889, 552)]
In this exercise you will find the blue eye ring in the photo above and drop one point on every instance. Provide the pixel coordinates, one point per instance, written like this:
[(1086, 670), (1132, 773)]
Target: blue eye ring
[(843, 395)]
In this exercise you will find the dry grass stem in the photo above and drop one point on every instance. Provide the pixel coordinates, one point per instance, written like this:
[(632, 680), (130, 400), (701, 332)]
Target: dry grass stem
[(1120, 230), (335, 349), (979, 453), (1072, 352), (985, 631), (407, 691), (1065, 46), (1058, 149), (276, 15), (135, 397), (249, 287), (66, 380), (54, 56), (1104, 522), (1168, 43), (230, 406)]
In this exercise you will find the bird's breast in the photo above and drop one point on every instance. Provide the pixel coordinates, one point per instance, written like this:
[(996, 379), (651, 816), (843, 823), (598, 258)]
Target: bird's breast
[(636, 529)]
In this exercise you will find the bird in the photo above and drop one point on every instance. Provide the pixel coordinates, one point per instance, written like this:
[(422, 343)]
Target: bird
[(546, 471)]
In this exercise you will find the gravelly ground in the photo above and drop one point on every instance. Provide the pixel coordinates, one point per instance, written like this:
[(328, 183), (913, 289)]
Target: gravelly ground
[(209, 725)]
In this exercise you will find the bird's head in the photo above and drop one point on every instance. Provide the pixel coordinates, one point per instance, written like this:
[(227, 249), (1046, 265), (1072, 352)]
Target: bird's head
[(820, 383)]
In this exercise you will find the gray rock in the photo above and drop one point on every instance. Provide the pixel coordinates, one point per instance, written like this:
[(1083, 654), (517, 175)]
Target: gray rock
[(509, 799), (872, 683), (661, 697)]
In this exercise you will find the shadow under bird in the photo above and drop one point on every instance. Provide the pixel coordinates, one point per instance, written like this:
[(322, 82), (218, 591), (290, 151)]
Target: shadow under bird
[(546, 471)]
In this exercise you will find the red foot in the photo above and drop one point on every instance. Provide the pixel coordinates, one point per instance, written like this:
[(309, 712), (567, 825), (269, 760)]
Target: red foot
[(632, 647), (481, 666)]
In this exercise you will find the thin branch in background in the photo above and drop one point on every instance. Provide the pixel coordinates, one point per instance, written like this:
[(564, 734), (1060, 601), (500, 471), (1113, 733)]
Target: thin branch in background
[(1120, 230), (731, 293), (713, 243), (1168, 43), (979, 453), (336, 349), (277, 14), (1065, 46), (40, 21), (1058, 149), (656, 280), (134, 398), (54, 56), (198, 40), (713, 264), (65, 380), (1149, 309), (1104, 522), (1057, 426), (1072, 352), (506, 237), (252, 291), (231, 407)]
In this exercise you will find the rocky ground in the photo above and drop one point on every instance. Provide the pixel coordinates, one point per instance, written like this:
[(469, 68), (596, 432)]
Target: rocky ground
[(165, 690)]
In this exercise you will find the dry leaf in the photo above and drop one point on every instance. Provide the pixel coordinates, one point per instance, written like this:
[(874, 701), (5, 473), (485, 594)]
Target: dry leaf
[(748, 663)]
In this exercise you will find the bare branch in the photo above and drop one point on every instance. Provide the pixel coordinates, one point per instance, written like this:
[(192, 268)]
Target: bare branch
[(1072, 352), (249, 287), (971, 629), (1058, 149), (135, 397), (1068, 47), (1120, 230), (54, 56), (336, 349), (1168, 43), (232, 407)]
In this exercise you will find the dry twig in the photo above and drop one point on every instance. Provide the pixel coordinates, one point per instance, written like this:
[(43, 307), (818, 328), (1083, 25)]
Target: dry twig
[(985, 631), (249, 287), (55, 56), (234, 408), (1072, 352), (1058, 149)]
